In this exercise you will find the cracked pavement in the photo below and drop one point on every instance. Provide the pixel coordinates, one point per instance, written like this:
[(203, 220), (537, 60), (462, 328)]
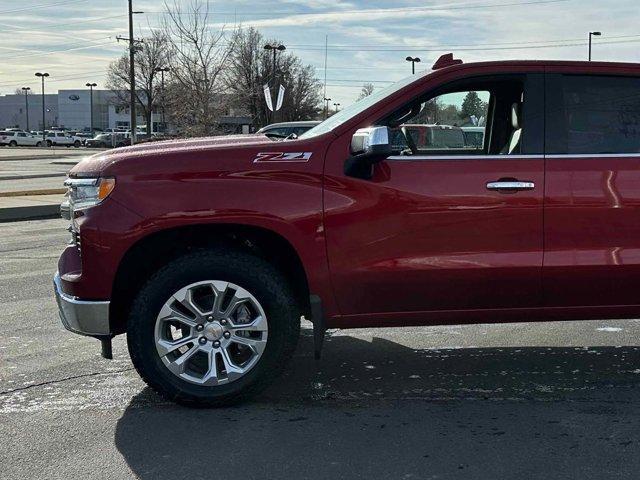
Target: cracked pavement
[(554, 400)]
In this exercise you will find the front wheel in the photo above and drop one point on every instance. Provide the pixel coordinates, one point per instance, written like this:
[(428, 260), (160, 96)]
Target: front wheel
[(38, 144), (76, 144), (213, 327)]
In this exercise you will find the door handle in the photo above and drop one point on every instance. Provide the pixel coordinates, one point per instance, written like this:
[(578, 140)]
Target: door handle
[(510, 185)]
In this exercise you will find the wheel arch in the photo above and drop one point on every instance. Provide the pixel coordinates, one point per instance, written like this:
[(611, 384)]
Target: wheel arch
[(151, 252)]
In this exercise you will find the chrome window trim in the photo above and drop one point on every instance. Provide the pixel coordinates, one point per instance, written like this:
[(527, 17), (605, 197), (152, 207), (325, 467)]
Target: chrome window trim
[(512, 157), (594, 155), (465, 157)]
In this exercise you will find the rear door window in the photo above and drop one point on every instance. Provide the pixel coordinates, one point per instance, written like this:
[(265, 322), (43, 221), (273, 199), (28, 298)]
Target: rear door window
[(593, 115)]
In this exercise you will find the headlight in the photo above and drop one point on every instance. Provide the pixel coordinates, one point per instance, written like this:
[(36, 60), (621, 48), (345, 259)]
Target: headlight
[(87, 192)]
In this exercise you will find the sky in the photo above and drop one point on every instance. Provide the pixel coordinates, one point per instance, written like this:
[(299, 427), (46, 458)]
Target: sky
[(368, 41)]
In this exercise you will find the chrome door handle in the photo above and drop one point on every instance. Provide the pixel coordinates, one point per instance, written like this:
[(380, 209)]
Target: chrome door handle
[(510, 185)]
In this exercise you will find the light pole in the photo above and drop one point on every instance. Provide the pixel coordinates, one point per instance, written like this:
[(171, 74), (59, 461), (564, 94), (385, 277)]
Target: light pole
[(43, 75), (162, 70), (413, 61), (326, 107), (275, 48), (593, 34), (26, 103), (91, 85), (336, 105)]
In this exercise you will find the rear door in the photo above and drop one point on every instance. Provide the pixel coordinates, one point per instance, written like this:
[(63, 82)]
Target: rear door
[(592, 204), (441, 230)]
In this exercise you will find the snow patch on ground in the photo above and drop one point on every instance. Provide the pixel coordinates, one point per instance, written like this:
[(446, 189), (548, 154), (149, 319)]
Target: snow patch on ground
[(609, 329)]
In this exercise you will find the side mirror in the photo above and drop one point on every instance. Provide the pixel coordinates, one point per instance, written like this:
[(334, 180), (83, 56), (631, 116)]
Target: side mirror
[(372, 142), (368, 147)]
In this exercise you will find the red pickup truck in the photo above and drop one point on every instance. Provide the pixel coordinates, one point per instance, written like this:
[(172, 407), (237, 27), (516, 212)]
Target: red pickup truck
[(207, 252)]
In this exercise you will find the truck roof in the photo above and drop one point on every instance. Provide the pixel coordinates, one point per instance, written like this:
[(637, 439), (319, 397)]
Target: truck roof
[(447, 61)]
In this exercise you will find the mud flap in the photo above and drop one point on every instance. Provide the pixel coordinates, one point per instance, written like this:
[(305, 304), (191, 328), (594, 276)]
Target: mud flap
[(107, 350), (319, 324)]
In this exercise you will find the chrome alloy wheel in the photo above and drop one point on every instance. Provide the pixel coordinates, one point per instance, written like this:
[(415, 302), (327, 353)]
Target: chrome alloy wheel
[(211, 333)]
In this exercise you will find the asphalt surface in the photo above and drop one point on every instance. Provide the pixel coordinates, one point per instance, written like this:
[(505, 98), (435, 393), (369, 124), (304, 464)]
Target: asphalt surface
[(526, 401), (22, 174)]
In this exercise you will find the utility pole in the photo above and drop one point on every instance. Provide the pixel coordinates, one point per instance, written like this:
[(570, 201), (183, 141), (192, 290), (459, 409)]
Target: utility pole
[(91, 85), (164, 100), (132, 74), (593, 34), (44, 133), (26, 103)]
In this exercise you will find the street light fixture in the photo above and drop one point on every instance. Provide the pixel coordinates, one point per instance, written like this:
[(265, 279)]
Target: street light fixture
[(162, 70), (593, 34), (91, 85), (326, 107), (336, 105), (275, 48), (413, 61), (26, 103), (43, 75)]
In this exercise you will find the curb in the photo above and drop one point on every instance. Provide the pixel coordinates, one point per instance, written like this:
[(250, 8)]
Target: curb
[(24, 193), (13, 214), (34, 175)]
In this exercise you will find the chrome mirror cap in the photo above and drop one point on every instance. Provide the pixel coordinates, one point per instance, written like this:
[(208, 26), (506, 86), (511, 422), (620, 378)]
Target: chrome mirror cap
[(371, 140)]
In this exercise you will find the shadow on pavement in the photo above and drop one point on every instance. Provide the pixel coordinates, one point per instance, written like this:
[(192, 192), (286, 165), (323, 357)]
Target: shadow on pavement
[(382, 410)]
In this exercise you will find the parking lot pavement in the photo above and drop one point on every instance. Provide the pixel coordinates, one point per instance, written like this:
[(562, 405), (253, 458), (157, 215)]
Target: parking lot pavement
[(554, 400), (20, 153)]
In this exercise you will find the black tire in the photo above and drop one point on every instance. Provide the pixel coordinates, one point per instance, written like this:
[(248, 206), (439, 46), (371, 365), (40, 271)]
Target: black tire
[(49, 143), (252, 273), (13, 143), (77, 144), (38, 144)]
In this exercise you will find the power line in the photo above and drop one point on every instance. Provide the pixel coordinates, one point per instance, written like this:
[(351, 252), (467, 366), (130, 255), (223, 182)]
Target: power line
[(457, 6), (440, 49), (73, 48), (456, 45), (42, 5)]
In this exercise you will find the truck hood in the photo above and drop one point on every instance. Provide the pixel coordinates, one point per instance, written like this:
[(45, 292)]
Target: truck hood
[(100, 161)]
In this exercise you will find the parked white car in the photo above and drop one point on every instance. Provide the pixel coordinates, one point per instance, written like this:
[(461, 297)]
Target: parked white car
[(19, 139), (64, 139)]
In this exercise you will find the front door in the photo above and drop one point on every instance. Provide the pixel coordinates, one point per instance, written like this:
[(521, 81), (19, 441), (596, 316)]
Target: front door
[(445, 223)]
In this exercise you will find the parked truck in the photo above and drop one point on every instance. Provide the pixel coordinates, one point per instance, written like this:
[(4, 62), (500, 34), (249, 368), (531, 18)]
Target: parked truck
[(207, 252)]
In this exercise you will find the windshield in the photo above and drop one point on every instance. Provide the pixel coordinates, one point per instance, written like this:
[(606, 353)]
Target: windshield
[(356, 108)]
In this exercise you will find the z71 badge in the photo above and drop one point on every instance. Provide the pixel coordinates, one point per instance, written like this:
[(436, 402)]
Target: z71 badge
[(283, 157)]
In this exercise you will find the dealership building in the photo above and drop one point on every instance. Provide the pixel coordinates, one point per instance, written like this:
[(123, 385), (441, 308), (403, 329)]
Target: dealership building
[(70, 109)]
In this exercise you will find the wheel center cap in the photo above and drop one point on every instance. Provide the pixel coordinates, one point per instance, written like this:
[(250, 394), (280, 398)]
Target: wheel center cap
[(213, 331)]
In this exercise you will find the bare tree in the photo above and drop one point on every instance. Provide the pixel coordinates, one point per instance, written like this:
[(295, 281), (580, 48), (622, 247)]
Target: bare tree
[(367, 89), (198, 55), (251, 67), (150, 55)]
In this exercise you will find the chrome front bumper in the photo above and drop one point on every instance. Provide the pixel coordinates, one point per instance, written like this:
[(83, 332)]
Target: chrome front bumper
[(81, 316)]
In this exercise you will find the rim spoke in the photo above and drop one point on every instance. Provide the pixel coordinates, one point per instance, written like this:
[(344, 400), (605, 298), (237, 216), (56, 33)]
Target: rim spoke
[(259, 324), (241, 296), (211, 377), (179, 365), (169, 314), (219, 289), (233, 371), (256, 345), (165, 347)]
